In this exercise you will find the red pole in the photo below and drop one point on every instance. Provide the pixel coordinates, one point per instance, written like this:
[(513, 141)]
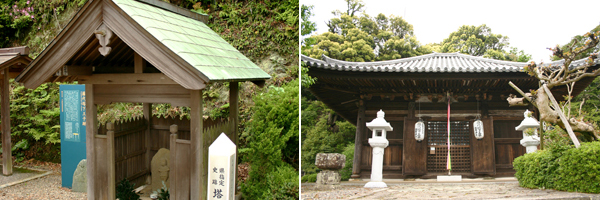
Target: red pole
[(448, 162)]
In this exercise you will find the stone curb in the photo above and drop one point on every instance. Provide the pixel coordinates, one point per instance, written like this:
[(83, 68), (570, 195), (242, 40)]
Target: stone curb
[(27, 179)]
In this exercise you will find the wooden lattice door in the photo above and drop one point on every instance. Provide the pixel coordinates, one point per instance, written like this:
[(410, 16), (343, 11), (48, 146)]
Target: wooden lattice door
[(460, 149)]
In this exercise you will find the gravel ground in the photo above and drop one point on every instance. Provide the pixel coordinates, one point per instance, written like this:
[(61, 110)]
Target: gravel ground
[(47, 187), (473, 190), (17, 175)]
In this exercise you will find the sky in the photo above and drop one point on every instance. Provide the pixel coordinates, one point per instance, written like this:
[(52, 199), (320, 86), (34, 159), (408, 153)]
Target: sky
[(530, 25)]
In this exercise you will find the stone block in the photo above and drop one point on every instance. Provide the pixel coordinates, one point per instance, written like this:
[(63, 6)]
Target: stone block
[(328, 177), (80, 177), (330, 161), (159, 167), (449, 178)]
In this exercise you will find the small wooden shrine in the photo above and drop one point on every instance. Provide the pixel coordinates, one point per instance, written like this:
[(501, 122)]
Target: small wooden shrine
[(144, 51)]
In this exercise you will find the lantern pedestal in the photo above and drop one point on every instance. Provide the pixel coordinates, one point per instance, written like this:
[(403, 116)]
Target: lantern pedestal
[(449, 178), (378, 144), (378, 141), (530, 143)]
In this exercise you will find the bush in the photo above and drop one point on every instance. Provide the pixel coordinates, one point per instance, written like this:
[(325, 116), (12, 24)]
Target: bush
[(272, 142), (346, 172), (283, 184), (310, 178), (125, 191), (568, 169)]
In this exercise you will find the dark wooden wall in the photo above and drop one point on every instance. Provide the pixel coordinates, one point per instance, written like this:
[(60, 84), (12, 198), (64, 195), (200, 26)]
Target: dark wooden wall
[(507, 145), (392, 158)]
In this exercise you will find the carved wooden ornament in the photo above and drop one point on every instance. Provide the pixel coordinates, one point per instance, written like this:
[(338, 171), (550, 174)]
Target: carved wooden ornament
[(103, 34)]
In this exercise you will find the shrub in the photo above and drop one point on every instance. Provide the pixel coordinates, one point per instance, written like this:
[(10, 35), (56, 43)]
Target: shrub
[(125, 191), (309, 178), (283, 183), (346, 172), (569, 169), (272, 142)]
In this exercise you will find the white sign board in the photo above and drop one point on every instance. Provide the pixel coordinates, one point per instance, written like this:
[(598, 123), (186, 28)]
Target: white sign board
[(221, 169)]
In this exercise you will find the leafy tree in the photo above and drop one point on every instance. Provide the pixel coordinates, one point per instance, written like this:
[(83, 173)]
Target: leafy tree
[(322, 132), (353, 6), (480, 41), (307, 26), (474, 40), (365, 38), (563, 75), (578, 41)]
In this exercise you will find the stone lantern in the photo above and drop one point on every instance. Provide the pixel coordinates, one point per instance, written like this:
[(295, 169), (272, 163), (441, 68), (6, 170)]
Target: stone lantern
[(529, 127), (379, 142)]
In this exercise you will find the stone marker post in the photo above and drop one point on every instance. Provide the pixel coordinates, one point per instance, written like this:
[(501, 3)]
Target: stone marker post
[(221, 169), (379, 142)]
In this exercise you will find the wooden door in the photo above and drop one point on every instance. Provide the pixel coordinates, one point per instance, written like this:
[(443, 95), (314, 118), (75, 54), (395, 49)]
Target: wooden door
[(414, 157), (460, 149)]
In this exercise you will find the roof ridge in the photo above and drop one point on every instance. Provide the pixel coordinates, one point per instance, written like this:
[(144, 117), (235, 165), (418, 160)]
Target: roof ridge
[(176, 9)]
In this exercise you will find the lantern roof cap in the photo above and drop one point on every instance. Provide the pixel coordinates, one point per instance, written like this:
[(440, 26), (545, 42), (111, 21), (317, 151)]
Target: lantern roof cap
[(528, 122), (379, 122)]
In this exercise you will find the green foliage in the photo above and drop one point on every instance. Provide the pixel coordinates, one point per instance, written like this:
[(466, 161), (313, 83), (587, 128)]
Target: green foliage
[(309, 178), (257, 28), (480, 41), (272, 141), (35, 114), (307, 26), (568, 169), (365, 38), (125, 191), (282, 183), (346, 172), (322, 132), (163, 192)]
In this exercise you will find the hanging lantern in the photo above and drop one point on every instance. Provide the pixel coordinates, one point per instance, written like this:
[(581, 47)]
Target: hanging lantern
[(419, 130), (478, 129)]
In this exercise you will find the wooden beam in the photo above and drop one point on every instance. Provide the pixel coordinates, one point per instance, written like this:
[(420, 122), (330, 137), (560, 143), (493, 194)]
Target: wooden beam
[(197, 171), (22, 50), (74, 70), (563, 118), (139, 63), (6, 150), (90, 131), (154, 78)]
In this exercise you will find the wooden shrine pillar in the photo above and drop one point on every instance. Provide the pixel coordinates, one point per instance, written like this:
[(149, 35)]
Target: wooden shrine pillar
[(91, 131), (6, 143), (147, 109), (358, 140), (233, 110), (414, 154), (483, 161), (198, 172)]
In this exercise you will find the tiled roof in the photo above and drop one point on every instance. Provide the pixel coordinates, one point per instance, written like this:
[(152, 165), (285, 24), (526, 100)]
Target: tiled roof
[(193, 41), (434, 62)]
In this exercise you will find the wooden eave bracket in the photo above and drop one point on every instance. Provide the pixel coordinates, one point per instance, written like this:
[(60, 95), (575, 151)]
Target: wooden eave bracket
[(103, 34)]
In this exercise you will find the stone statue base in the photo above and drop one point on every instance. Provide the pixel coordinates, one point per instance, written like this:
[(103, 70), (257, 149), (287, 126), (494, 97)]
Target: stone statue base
[(376, 184), (328, 177)]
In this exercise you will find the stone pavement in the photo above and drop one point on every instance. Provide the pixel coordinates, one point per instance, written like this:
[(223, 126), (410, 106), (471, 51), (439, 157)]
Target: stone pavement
[(500, 188)]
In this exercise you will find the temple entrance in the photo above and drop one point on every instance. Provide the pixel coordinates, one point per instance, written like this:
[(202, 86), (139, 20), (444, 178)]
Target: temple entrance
[(460, 148)]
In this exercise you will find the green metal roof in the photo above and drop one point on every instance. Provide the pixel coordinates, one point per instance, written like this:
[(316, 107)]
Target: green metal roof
[(194, 42)]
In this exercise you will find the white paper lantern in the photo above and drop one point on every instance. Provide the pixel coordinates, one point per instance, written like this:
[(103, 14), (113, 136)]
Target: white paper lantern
[(419, 131), (478, 129)]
